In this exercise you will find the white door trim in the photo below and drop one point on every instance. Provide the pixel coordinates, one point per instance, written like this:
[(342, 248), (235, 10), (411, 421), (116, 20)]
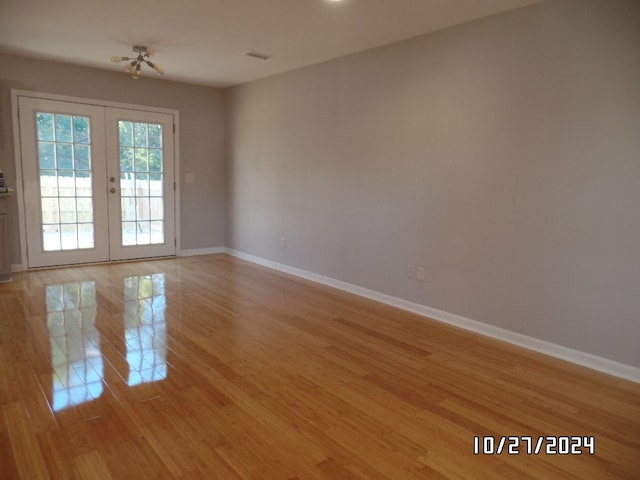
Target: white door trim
[(19, 186)]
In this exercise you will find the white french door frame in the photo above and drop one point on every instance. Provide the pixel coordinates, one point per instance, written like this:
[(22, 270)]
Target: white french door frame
[(16, 94)]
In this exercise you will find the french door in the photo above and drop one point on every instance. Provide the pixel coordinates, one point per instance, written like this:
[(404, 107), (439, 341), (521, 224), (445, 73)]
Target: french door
[(98, 182)]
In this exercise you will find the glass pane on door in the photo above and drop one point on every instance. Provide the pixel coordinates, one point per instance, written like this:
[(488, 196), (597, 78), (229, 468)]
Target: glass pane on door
[(66, 190), (141, 183)]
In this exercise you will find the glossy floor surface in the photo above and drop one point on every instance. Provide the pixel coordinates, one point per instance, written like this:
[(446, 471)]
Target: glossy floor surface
[(209, 367)]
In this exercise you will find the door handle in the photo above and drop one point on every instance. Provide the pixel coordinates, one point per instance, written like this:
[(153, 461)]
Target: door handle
[(112, 190)]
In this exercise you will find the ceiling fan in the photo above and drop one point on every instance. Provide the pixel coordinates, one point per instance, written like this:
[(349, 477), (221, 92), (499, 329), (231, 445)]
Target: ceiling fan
[(135, 63)]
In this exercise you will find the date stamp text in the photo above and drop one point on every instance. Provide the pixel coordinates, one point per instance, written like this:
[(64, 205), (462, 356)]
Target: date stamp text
[(530, 445)]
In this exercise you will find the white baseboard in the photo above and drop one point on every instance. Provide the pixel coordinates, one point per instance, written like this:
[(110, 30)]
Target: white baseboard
[(201, 251), (588, 360)]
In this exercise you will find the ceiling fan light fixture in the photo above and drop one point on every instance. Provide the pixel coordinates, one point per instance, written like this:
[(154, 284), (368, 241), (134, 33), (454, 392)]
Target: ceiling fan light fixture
[(134, 65), (155, 67), (136, 74)]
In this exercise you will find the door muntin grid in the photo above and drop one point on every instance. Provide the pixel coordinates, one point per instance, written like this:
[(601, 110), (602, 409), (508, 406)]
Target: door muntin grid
[(141, 183), (65, 177)]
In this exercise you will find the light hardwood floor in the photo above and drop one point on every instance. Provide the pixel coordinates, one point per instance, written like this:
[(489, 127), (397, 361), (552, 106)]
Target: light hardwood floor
[(210, 367)]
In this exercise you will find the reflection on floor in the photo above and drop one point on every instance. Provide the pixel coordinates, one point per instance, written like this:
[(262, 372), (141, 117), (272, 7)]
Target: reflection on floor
[(145, 328), (209, 367), (75, 342)]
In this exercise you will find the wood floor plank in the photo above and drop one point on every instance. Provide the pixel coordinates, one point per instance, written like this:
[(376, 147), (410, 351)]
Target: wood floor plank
[(7, 458), (231, 370), (91, 466), (24, 444)]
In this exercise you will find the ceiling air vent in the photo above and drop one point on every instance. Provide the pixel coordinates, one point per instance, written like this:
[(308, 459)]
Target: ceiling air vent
[(260, 55)]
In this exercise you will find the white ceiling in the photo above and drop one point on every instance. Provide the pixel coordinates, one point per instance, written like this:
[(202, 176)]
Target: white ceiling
[(205, 41)]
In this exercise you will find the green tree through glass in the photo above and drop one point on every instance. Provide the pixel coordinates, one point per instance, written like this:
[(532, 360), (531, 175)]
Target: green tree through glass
[(140, 145)]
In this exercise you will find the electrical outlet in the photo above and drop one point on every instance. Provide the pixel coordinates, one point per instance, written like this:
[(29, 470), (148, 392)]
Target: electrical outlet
[(283, 242), (410, 271), (420, 274)]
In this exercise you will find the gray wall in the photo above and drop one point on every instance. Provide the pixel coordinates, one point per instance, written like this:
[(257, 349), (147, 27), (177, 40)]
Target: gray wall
[(201, 134), (502, 155)]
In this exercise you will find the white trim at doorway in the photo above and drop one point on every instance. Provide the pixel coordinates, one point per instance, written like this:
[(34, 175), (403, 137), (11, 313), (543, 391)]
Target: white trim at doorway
[(19, 186)]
